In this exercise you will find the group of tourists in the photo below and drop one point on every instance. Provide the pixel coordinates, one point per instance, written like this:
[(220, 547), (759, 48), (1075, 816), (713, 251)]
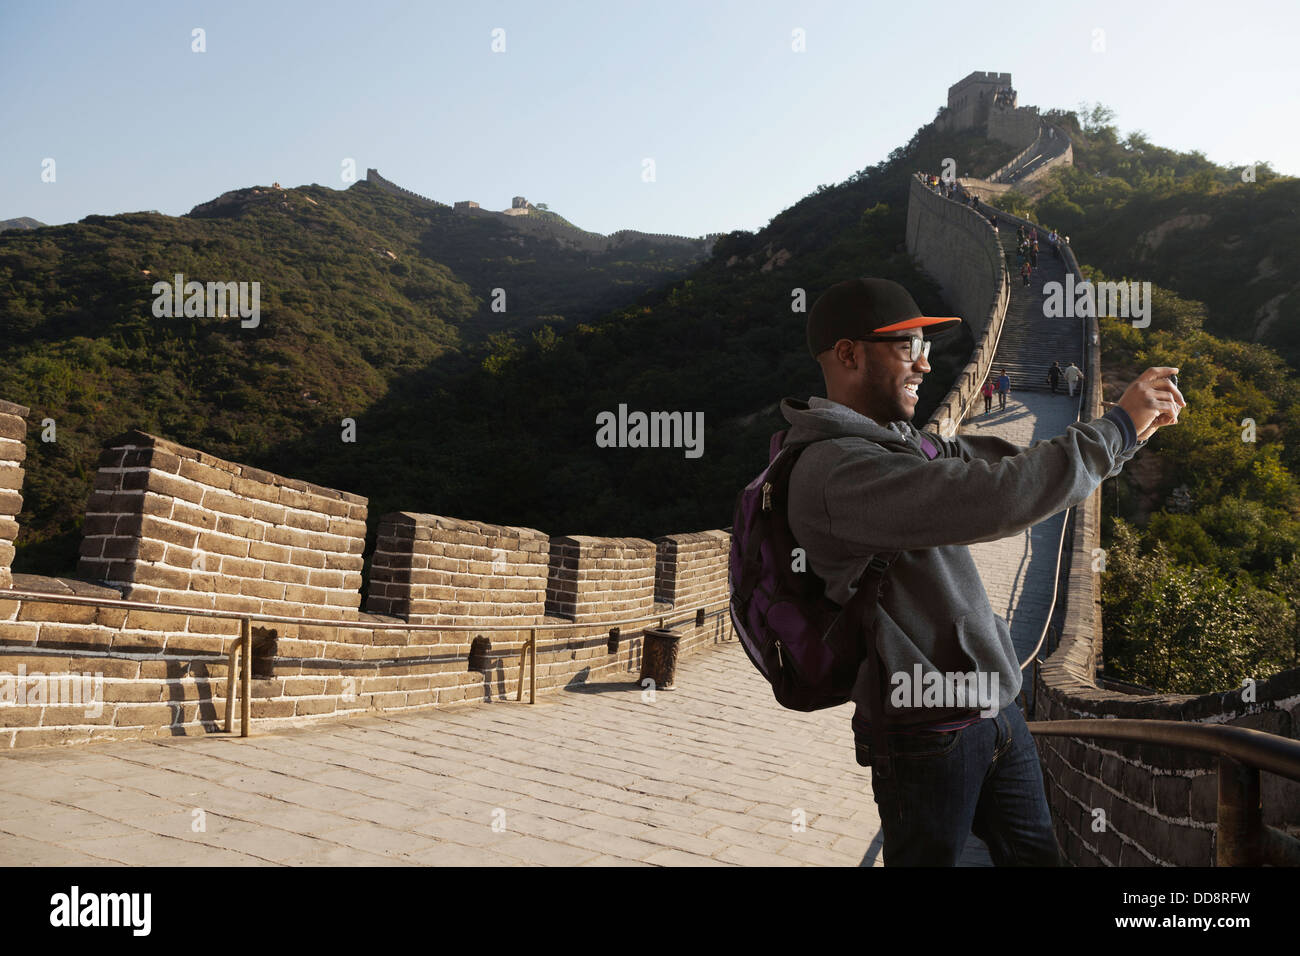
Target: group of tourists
[(1071, 373), (950, 189), (1026, 252), (1001, 386)]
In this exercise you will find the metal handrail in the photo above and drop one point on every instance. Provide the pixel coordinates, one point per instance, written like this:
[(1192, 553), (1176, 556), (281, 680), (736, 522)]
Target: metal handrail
[(14, 594), (243, 647), (1243, 839)]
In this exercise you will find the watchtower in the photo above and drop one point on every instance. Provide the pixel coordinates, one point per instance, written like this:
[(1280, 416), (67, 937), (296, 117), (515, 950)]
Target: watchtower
[(970, 99)]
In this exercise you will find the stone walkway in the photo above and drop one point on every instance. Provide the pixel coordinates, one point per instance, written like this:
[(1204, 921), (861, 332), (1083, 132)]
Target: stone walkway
[(712, 773), (1019, 572)]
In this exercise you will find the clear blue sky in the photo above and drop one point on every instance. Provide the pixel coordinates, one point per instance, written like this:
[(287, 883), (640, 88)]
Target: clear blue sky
[(739, 126)]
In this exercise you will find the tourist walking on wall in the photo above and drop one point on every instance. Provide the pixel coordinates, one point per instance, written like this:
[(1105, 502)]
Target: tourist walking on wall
[(867, 483), (987, 392), (1054, 376), (1073, 376), (1025, 271), (1004, 386)]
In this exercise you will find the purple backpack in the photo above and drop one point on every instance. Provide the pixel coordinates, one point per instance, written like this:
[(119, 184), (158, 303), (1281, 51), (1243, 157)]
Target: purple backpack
[(808, 647)]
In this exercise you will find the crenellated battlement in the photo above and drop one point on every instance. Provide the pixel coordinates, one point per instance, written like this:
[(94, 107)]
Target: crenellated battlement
[(169, 526), (429, 569)]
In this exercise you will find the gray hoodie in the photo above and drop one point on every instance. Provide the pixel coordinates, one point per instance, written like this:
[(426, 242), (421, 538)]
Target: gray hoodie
[(871, 489)]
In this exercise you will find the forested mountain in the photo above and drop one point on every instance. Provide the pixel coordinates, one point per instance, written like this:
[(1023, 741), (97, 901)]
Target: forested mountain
[(359, 290), (376, 308)]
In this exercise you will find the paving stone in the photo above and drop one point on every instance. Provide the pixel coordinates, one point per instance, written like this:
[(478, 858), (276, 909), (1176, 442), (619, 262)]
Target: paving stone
[(713, 770), (678, 858)]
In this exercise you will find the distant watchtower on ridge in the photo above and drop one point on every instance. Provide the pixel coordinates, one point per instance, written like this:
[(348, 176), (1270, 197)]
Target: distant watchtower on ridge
[(970, 99)]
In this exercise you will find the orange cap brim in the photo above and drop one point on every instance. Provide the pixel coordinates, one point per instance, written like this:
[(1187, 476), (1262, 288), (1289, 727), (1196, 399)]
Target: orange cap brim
[(919, 322)]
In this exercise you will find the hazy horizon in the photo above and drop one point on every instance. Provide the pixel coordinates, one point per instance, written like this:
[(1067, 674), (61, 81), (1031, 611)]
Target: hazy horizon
[(738, 124)]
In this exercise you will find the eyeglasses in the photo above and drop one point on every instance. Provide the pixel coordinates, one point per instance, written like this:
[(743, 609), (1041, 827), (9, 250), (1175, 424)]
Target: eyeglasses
[(920, 344)]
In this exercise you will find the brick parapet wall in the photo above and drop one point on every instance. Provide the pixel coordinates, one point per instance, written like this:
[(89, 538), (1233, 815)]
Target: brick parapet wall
[(158, 680), (13, 451), (430, 569), (1160, 803), (600, 578), (1017, 127), (691, 569), (160, 509), (173, 525), (373, 177)]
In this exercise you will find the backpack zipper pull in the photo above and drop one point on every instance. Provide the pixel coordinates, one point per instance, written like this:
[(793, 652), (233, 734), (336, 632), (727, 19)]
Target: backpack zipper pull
[(767, 496), (780, 660)]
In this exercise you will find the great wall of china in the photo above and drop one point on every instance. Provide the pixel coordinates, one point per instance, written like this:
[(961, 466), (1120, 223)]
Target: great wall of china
[(1160, 802), (172, 526), (525, 218), (451, 602)]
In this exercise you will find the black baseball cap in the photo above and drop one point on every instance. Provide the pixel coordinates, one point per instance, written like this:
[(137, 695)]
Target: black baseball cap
[(858, 307)]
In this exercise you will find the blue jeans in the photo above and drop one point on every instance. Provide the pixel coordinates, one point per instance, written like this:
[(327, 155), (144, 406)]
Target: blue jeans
[(983, 779)]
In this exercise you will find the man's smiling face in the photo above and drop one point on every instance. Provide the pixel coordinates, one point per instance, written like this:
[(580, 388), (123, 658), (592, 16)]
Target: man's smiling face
[(881, 378)]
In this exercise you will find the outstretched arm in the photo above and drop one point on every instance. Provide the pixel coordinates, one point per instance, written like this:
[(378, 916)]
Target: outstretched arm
[(893, 502)]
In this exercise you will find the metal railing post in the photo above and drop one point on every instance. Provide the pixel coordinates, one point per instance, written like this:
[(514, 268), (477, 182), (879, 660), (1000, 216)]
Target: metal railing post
[(532, 674), (232, 666), (246, 705), (1241, 821), (523, 655)]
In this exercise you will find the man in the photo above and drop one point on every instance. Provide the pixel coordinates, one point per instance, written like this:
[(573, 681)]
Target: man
[(1054, 376), (1004, 386), (1073, 376), (866, 486)]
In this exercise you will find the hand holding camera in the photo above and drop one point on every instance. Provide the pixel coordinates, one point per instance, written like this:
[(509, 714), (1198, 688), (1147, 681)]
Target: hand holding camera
[(1153, 400)]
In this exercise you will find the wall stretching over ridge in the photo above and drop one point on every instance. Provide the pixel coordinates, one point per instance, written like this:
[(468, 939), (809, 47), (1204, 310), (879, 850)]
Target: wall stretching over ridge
[(957, 246), (372, 176), (175, 526), (1015, 127), (1160, 804), (540, 225)]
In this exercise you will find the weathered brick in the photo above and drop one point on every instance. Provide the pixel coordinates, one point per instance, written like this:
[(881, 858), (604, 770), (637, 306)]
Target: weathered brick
[(168, 533), (286, 574), (13, 427), (11, 479), (11, 502), (305, 558), (71, 636), (315, 705), (242, 567), (173, 487), (205, 475), (262, 589), (216, 543), (194, 516), (159, 575), (1172, 795), (59, 613), (261, 551)]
